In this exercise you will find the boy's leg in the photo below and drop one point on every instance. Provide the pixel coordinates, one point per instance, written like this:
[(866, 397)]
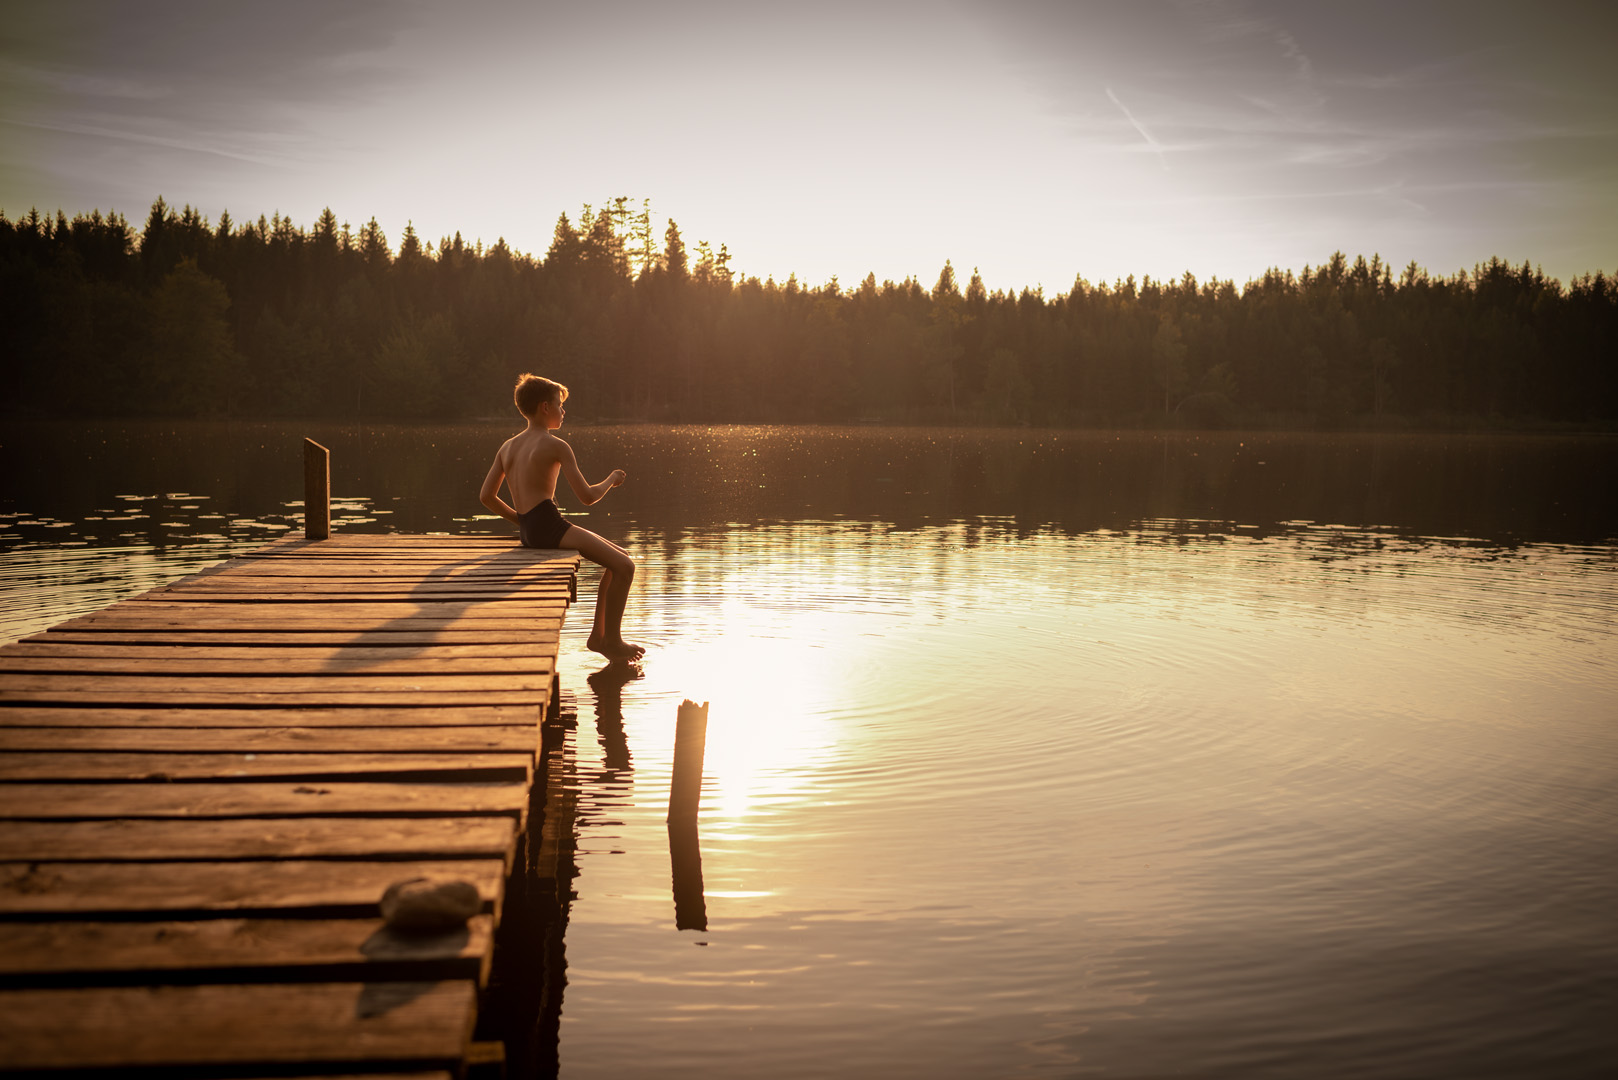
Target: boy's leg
[(618, 573)]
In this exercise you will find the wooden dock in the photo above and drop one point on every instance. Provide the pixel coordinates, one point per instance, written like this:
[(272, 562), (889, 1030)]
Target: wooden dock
[(205, 790)]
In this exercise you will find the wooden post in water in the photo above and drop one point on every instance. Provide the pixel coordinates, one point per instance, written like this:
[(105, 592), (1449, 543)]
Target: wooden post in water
[(685, 856), (316, 491), (685, 790), (690, 742)]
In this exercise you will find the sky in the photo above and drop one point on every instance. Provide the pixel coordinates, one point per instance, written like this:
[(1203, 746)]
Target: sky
[(1034, 140)]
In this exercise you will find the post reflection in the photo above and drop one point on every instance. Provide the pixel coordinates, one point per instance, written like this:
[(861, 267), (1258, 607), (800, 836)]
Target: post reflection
[(685, 857)]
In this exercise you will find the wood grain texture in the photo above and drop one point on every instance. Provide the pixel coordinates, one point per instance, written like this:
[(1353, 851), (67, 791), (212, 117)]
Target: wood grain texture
[(466, 714), (400, 619), (65, 694), (266, 799), (258, 838), (189, 663), (265, 683), (233, 950), (491, 585), (133, 751), (526, 598), (443, 768), (303, 887), (59, 646), (511, 607), (522, 634), (368, 570), (421, 1025)]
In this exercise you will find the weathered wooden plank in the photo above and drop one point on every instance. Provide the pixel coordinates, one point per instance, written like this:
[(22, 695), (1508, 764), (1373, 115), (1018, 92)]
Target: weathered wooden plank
[(336, 889), (497, 556), (235, 950), (380, 570), (515, 601), (438, 1074), (411, 1025), (63, 766), (485, 554), (493, 541), (479, 543), (520, 634), (268, 662), (258, 838), (323, 617), (304, 748), (402, 546), (423, 698), (473, 714), (508, 607), (260, 799), (47, 646), (303, 583), (259, 681), (263, 618), (312, 596)]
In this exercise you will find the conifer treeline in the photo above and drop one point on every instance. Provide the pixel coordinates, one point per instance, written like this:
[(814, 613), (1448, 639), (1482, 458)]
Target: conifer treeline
[(270, 319)]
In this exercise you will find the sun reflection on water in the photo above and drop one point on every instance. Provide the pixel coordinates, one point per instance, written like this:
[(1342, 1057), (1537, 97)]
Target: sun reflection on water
[(766, 721)]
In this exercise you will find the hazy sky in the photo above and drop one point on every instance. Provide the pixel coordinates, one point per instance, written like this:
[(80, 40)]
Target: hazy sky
[(1036, 140)]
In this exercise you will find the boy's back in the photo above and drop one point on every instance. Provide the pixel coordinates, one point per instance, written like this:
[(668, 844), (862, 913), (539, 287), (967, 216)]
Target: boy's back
[(532, 460)]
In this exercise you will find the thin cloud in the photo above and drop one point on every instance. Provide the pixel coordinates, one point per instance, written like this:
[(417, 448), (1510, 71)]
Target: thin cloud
[(31, 77), (192, 145), (1156, 146)]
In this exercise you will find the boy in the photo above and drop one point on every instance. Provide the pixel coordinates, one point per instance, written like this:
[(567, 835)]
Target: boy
[(529, 463)]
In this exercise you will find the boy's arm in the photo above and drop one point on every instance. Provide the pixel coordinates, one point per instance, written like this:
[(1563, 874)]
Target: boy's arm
[(588, 493), (490, 495)]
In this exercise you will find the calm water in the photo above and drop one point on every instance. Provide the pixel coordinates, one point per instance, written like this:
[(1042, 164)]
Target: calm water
[(1029, 753)]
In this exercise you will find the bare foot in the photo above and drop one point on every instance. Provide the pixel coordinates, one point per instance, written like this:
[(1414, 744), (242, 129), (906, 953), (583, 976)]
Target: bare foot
[(618, 649)]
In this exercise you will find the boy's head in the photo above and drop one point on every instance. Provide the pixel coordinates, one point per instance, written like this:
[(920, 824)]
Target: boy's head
[(533, 391)]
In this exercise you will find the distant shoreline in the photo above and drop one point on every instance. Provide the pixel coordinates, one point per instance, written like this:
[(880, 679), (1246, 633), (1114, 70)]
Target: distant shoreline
[(1146, 426)]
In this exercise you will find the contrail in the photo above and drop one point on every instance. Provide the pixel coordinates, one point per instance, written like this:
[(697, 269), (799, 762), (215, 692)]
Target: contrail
[(1156, 146)]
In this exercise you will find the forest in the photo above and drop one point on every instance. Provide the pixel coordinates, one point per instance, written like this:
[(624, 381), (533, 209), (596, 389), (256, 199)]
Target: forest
[(270, 319)]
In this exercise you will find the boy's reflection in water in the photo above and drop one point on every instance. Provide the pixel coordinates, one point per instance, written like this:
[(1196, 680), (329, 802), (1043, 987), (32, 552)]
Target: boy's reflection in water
[(608, 686)]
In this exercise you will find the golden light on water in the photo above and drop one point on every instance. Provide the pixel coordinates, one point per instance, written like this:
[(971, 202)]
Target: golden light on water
[(763, 719)]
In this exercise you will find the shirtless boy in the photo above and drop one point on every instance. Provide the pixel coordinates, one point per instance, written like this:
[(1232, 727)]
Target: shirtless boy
[(529, 463)]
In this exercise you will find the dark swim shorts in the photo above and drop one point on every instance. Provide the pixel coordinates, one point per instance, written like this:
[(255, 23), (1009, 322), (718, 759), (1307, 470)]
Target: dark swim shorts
[(543, 526)]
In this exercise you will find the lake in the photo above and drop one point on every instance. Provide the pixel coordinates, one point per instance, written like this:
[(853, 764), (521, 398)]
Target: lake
[(1030, 753)]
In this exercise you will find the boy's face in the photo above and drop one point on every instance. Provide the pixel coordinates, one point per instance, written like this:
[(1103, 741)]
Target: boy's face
[(551, 411)]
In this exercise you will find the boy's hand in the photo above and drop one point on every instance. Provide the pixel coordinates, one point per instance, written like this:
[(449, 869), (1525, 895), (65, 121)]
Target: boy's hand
[(618, 476)]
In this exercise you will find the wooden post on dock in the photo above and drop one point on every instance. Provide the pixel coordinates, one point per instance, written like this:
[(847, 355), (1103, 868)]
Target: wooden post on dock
[(690, 742), (316, 491)]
